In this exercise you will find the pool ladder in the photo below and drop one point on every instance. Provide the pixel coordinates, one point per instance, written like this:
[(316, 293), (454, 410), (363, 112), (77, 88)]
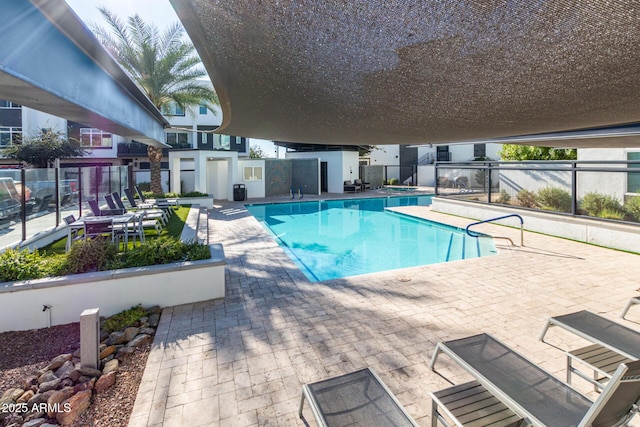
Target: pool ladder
[(475, 234)]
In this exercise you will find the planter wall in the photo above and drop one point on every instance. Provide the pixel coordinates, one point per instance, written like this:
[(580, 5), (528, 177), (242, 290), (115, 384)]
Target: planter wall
[(112, 291), (205, 202), (602, 233)]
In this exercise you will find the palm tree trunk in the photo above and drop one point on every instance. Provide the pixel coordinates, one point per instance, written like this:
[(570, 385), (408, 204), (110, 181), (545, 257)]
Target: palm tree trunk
[(155, 157)]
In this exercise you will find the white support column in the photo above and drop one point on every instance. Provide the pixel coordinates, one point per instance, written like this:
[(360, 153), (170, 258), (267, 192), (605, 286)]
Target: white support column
[(90, 338), (232, 174), (175, 173), (200, 173)]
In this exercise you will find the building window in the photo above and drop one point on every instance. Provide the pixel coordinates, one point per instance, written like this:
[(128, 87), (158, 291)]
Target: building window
[(633, 178), (253, 173), (8, 104), (10, 135), (95, 138), (222, 142), (172, 109), (203, 109), (479, 151), (178, 139)]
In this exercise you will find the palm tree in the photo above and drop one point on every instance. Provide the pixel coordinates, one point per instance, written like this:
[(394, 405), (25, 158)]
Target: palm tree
[(164, 65)]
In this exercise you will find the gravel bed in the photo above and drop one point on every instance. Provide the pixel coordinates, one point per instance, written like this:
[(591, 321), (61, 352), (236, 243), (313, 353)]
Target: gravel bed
[(24, 352)]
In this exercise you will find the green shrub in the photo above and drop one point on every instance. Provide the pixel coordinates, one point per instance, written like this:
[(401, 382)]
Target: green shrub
[(194, 194), (20, 265), (632, 206), (611, 214), (394, 181), (504, 198), (527, 199), (196, 251), (555, 199), (594, 204), (90, 255), (160, 251), (124, 319)]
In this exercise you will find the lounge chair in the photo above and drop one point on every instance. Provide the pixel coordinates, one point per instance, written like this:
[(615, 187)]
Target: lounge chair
[(149, 206), (149, 213), (73, 231), (165, 202), (358, 398), (96, 211), (350, 187), (632, 301), (613, 344), (363, 185), (529, 392)]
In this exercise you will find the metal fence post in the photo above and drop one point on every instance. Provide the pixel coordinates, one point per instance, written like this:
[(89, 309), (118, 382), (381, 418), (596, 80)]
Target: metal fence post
[(574, 188)]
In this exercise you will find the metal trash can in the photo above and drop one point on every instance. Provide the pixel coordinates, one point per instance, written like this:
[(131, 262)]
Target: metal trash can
[(239, 192)]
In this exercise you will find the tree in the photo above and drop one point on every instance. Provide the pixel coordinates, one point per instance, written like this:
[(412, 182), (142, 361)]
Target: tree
[(527, 152), (164, 65), (256, 153), (43, 147)]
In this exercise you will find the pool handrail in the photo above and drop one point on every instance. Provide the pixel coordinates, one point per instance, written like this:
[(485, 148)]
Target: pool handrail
[(475, 234)]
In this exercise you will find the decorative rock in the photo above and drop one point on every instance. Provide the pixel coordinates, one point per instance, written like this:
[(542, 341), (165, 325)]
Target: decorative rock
[(130, 333), (111, 366), (34, 423), (77, 374), (77, 405), (29, 382), (26, 396), (124, 353), (34, 416), (154, 319), (106, 359), (140, 340), (39, 398), (64, 370), (87, 385), (56, 400), (76, 353), (148, 331), (116, 338), (49, 385), (13, 393), (107, 351), (11, 418), (67, 382), (105, 381), (46, 377), (104, 335), (58, 361), (144, 320)]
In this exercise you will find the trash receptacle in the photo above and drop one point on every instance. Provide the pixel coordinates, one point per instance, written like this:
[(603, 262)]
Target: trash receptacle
[(239, 192)]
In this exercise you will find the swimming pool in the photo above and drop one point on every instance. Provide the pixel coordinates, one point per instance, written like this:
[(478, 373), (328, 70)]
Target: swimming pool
[(342, 238)]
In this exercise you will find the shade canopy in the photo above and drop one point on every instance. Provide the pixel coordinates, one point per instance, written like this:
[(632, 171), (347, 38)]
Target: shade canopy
[(411, 72)]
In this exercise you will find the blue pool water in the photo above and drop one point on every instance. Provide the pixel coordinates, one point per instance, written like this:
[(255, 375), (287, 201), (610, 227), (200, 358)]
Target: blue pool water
[(341, 238)]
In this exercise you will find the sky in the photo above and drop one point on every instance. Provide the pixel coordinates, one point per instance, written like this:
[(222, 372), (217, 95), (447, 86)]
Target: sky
[(158, 12)]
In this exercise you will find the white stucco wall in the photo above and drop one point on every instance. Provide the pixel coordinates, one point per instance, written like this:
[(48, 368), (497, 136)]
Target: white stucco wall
[(255, 189), (614, 184), (513, 181)]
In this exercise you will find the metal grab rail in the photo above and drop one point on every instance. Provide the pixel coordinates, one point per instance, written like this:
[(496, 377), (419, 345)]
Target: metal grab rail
[(475, 234)]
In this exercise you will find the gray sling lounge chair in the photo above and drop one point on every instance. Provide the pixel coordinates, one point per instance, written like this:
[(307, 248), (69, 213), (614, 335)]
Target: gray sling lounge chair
[(632, 301), (358, 398), (613, 344), (533, 394)]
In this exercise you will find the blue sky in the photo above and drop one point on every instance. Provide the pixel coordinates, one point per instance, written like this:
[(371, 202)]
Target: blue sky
[(158, 12)]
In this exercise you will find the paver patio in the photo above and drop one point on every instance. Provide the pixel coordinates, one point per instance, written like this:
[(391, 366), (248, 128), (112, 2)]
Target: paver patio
[(242, 361)]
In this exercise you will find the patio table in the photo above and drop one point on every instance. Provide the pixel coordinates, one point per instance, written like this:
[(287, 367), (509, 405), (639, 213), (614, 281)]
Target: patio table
[(118, 220), (357, 398)]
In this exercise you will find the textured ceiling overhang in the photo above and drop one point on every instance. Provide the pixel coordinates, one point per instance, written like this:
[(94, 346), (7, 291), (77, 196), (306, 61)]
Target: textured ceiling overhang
[(411, 72)]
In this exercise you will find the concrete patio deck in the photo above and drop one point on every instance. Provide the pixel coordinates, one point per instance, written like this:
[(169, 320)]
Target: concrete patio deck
[(241, 361)]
